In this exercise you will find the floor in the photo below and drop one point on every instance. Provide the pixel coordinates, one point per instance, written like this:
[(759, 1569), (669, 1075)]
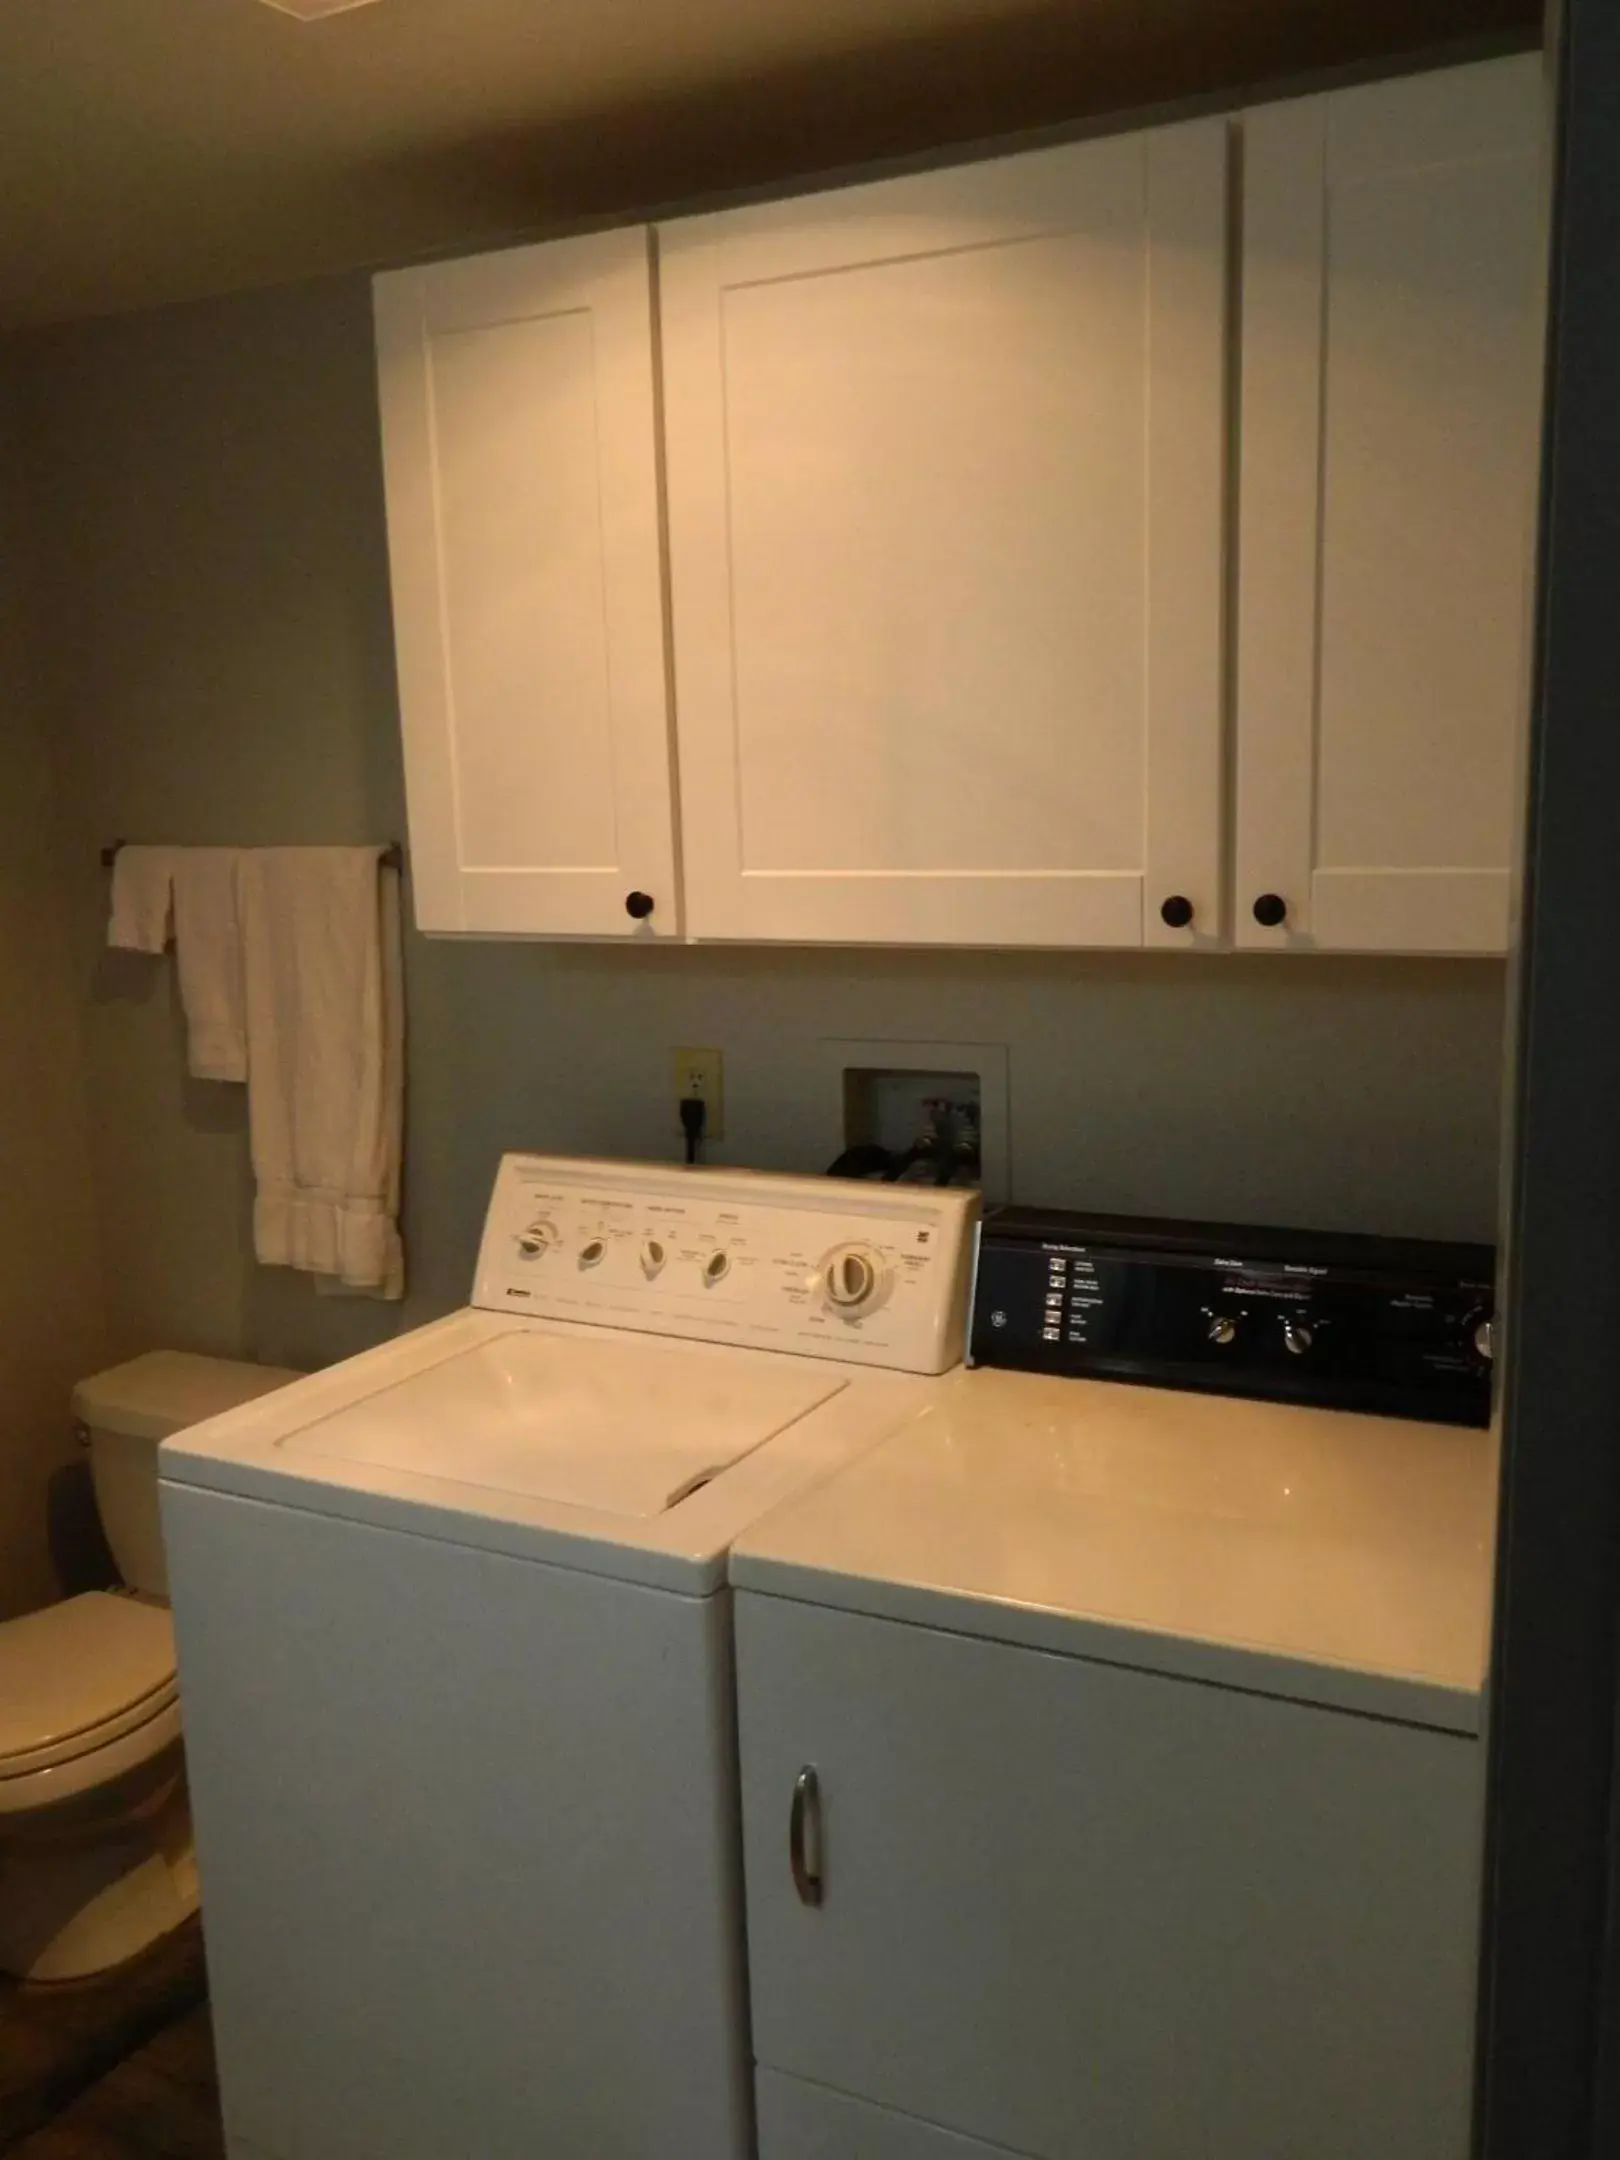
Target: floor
[(117, 2068)]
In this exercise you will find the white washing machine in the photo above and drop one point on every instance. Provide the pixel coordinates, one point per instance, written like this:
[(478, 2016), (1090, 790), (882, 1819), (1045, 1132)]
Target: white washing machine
[(456, 1662)]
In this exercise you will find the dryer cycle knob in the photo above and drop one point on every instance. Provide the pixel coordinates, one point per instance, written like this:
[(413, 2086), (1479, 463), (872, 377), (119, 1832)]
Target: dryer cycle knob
[(1297, 1337)]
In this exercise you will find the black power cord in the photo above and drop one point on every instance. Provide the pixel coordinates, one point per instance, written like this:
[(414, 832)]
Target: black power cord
[(694, 1116)]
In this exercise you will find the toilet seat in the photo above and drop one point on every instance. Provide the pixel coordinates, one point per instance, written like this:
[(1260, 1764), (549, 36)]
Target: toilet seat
[(80, 1677), (31, 1791)]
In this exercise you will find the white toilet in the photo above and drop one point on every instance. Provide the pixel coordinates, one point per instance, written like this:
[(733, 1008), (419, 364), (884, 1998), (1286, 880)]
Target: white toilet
[(95, 1836)]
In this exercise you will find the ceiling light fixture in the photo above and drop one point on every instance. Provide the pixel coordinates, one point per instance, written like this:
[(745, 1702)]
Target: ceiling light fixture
[(309, 10)]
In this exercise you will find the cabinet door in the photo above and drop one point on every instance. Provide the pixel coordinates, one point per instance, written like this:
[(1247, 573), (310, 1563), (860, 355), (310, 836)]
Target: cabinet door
[(1096, 1914), (807, 2122), (945, 485), (520, 461), (1392, 303)]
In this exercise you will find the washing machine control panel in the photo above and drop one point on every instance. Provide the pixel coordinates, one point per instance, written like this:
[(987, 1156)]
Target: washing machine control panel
[(873, 1274)]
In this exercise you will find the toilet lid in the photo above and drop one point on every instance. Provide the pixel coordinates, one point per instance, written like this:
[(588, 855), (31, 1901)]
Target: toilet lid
[(80, 1672)]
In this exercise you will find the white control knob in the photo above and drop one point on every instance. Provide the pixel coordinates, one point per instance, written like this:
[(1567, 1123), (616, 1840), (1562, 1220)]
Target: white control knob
[(653, 1255), (1297, 1337), (537, 1239), (716, 1268), (853, 1280), (593, 1252)]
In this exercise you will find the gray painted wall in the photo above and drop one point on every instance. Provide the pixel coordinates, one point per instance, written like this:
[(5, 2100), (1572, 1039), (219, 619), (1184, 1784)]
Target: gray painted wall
[(50, 1294), (210, 532)]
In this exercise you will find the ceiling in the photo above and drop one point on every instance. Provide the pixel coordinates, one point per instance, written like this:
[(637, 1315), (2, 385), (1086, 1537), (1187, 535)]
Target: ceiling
[(155, 150)]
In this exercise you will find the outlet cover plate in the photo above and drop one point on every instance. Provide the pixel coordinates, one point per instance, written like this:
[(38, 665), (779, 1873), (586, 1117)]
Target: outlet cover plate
[(702, 1072)]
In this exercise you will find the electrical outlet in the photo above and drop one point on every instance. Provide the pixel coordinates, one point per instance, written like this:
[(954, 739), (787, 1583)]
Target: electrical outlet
[(702, 1073)]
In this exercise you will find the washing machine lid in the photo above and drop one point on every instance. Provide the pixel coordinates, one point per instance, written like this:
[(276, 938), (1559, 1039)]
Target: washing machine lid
[(622, 1426), (77, 1669)]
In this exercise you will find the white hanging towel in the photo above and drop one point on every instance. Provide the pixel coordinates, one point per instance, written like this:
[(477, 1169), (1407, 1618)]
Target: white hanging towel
[(142, 898), (325, 1059), (191, 892), (208, 961)]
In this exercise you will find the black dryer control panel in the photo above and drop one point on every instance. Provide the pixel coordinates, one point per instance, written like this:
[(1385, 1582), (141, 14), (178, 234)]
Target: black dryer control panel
[(1402, 1327)]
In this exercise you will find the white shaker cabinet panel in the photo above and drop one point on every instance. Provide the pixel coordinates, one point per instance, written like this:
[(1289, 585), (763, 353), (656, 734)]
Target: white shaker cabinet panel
[(808, 2122), (1392, 306), (1088, 1913), (521, 465), (945, 470)]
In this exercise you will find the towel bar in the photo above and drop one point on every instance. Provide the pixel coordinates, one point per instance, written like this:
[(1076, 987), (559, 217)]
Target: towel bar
[(393, 856)]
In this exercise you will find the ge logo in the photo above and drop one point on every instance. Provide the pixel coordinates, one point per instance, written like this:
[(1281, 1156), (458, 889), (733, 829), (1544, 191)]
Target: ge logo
[(998, 1319)]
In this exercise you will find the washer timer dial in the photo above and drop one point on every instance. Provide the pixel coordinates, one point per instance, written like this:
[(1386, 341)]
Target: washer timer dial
[(854, 1280)]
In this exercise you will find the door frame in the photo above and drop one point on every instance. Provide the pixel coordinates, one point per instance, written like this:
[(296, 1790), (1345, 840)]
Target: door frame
[(1549, 2055)]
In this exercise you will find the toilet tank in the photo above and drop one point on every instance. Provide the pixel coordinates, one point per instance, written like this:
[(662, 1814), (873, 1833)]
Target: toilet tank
[(124, 1413)]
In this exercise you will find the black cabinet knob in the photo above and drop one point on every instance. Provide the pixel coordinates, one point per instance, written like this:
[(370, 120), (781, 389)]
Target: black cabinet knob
[(1177, 911), (639, 905), (1270, 910)]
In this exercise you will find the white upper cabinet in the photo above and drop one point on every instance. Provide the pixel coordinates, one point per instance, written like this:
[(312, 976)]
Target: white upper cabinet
[(1392, 307), (521, 464), (945, 464), (950, 481)]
